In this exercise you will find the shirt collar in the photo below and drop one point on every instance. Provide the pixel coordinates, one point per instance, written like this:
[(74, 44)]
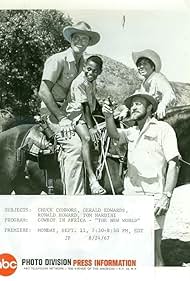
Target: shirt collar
[(149, 77), (70, 56), (151, 120)]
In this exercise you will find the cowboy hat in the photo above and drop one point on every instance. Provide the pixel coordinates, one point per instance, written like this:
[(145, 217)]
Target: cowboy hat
[(81, 27), (151, 55), (144, 95)]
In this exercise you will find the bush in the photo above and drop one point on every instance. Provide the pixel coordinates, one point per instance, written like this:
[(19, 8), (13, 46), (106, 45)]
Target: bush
[(27, 38)]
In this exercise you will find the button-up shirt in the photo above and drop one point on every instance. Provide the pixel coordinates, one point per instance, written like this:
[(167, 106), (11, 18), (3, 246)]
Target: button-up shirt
[(159, 87), (81, 91), (149, 151), (61, 70)]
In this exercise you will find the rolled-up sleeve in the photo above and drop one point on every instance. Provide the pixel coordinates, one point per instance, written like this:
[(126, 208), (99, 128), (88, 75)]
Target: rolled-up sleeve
[(52, 69), (169, 143), (78, 93)]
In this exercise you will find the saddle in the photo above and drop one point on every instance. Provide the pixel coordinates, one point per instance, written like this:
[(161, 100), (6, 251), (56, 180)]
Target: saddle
[(38, 147)]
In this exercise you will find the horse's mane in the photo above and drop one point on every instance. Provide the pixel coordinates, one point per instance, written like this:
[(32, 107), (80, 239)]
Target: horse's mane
[(179, 118)]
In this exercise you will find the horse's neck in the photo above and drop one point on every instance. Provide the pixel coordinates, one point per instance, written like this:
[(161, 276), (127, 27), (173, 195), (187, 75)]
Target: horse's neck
[(179, 118), (175, 109)]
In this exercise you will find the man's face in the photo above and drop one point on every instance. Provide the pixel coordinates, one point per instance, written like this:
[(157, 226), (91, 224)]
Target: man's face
[(139, 108), (91, 70), (79, 42), (145, 68)]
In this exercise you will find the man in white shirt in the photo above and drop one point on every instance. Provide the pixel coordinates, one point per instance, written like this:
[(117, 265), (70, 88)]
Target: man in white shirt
[(153, 157), (149, 64)]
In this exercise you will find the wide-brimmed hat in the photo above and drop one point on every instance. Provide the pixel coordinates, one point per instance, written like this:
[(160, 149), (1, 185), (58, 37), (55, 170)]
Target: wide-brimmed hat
[(151, 55), (84, 28), (145, 95)]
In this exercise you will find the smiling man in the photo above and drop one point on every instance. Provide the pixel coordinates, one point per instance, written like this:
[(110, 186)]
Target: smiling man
[(149, 64), (153, 157), (59, 72)]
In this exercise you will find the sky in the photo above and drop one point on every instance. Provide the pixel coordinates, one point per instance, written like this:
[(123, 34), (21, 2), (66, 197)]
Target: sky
[(165, 31)]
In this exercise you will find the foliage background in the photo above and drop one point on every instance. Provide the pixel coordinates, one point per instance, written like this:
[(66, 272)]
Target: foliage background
[(27, 38)]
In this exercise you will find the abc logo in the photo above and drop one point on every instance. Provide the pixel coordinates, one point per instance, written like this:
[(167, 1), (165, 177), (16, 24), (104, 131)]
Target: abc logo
[(8, 264)]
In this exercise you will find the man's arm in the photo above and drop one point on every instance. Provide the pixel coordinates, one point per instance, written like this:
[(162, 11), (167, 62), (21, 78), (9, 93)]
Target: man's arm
[(171, 181), (168, 95), (47, 97), (110, 123), (172, 175)]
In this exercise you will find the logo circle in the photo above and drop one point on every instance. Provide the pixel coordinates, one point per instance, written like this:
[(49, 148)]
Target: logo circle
[(8, 264)]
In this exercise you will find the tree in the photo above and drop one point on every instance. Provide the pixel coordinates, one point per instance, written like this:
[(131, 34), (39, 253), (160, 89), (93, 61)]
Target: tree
[(27, 38)]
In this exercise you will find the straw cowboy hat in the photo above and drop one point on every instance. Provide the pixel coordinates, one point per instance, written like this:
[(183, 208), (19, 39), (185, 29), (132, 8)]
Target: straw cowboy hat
[(81, 27), (151, 55), (142, 94)]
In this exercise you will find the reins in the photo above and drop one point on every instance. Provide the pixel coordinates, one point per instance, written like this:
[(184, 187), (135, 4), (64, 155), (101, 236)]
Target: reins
[(105, 143), (185, 162)]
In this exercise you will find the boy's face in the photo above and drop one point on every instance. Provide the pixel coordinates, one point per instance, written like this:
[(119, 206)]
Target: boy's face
[(91, 70)]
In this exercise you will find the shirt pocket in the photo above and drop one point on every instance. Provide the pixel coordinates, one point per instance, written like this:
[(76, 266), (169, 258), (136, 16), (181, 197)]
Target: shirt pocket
[(150, 142), (67, 76)]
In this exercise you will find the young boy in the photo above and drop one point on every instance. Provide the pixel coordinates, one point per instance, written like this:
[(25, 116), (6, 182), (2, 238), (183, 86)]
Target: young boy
[(148, 63), (81, 104)]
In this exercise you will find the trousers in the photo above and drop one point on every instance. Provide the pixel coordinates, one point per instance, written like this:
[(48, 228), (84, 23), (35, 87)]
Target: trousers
[(130, 190), (70, 163)]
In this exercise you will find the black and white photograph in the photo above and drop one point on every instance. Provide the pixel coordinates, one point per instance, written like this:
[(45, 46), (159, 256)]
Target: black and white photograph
[(94, 138)]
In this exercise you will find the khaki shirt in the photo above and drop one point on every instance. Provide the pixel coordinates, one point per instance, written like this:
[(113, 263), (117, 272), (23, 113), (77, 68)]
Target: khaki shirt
[(149, 152), (61, 70), (81, 91)]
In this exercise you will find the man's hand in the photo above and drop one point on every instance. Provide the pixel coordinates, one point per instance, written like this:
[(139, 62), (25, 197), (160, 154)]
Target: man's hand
[(161, 111), (121, 112), (162, 206), (107, 109), (94, 135), (67, 130)]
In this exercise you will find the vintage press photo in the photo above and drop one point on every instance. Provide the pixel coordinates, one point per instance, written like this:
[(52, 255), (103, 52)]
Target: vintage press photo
[(63, 165)]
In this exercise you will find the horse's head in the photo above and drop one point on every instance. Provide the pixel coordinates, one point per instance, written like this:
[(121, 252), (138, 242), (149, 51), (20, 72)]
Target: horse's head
[(7, 120)]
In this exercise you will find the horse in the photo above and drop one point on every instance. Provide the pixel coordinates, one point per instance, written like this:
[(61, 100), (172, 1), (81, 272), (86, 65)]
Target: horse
[(179, 118), (12, 173)]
